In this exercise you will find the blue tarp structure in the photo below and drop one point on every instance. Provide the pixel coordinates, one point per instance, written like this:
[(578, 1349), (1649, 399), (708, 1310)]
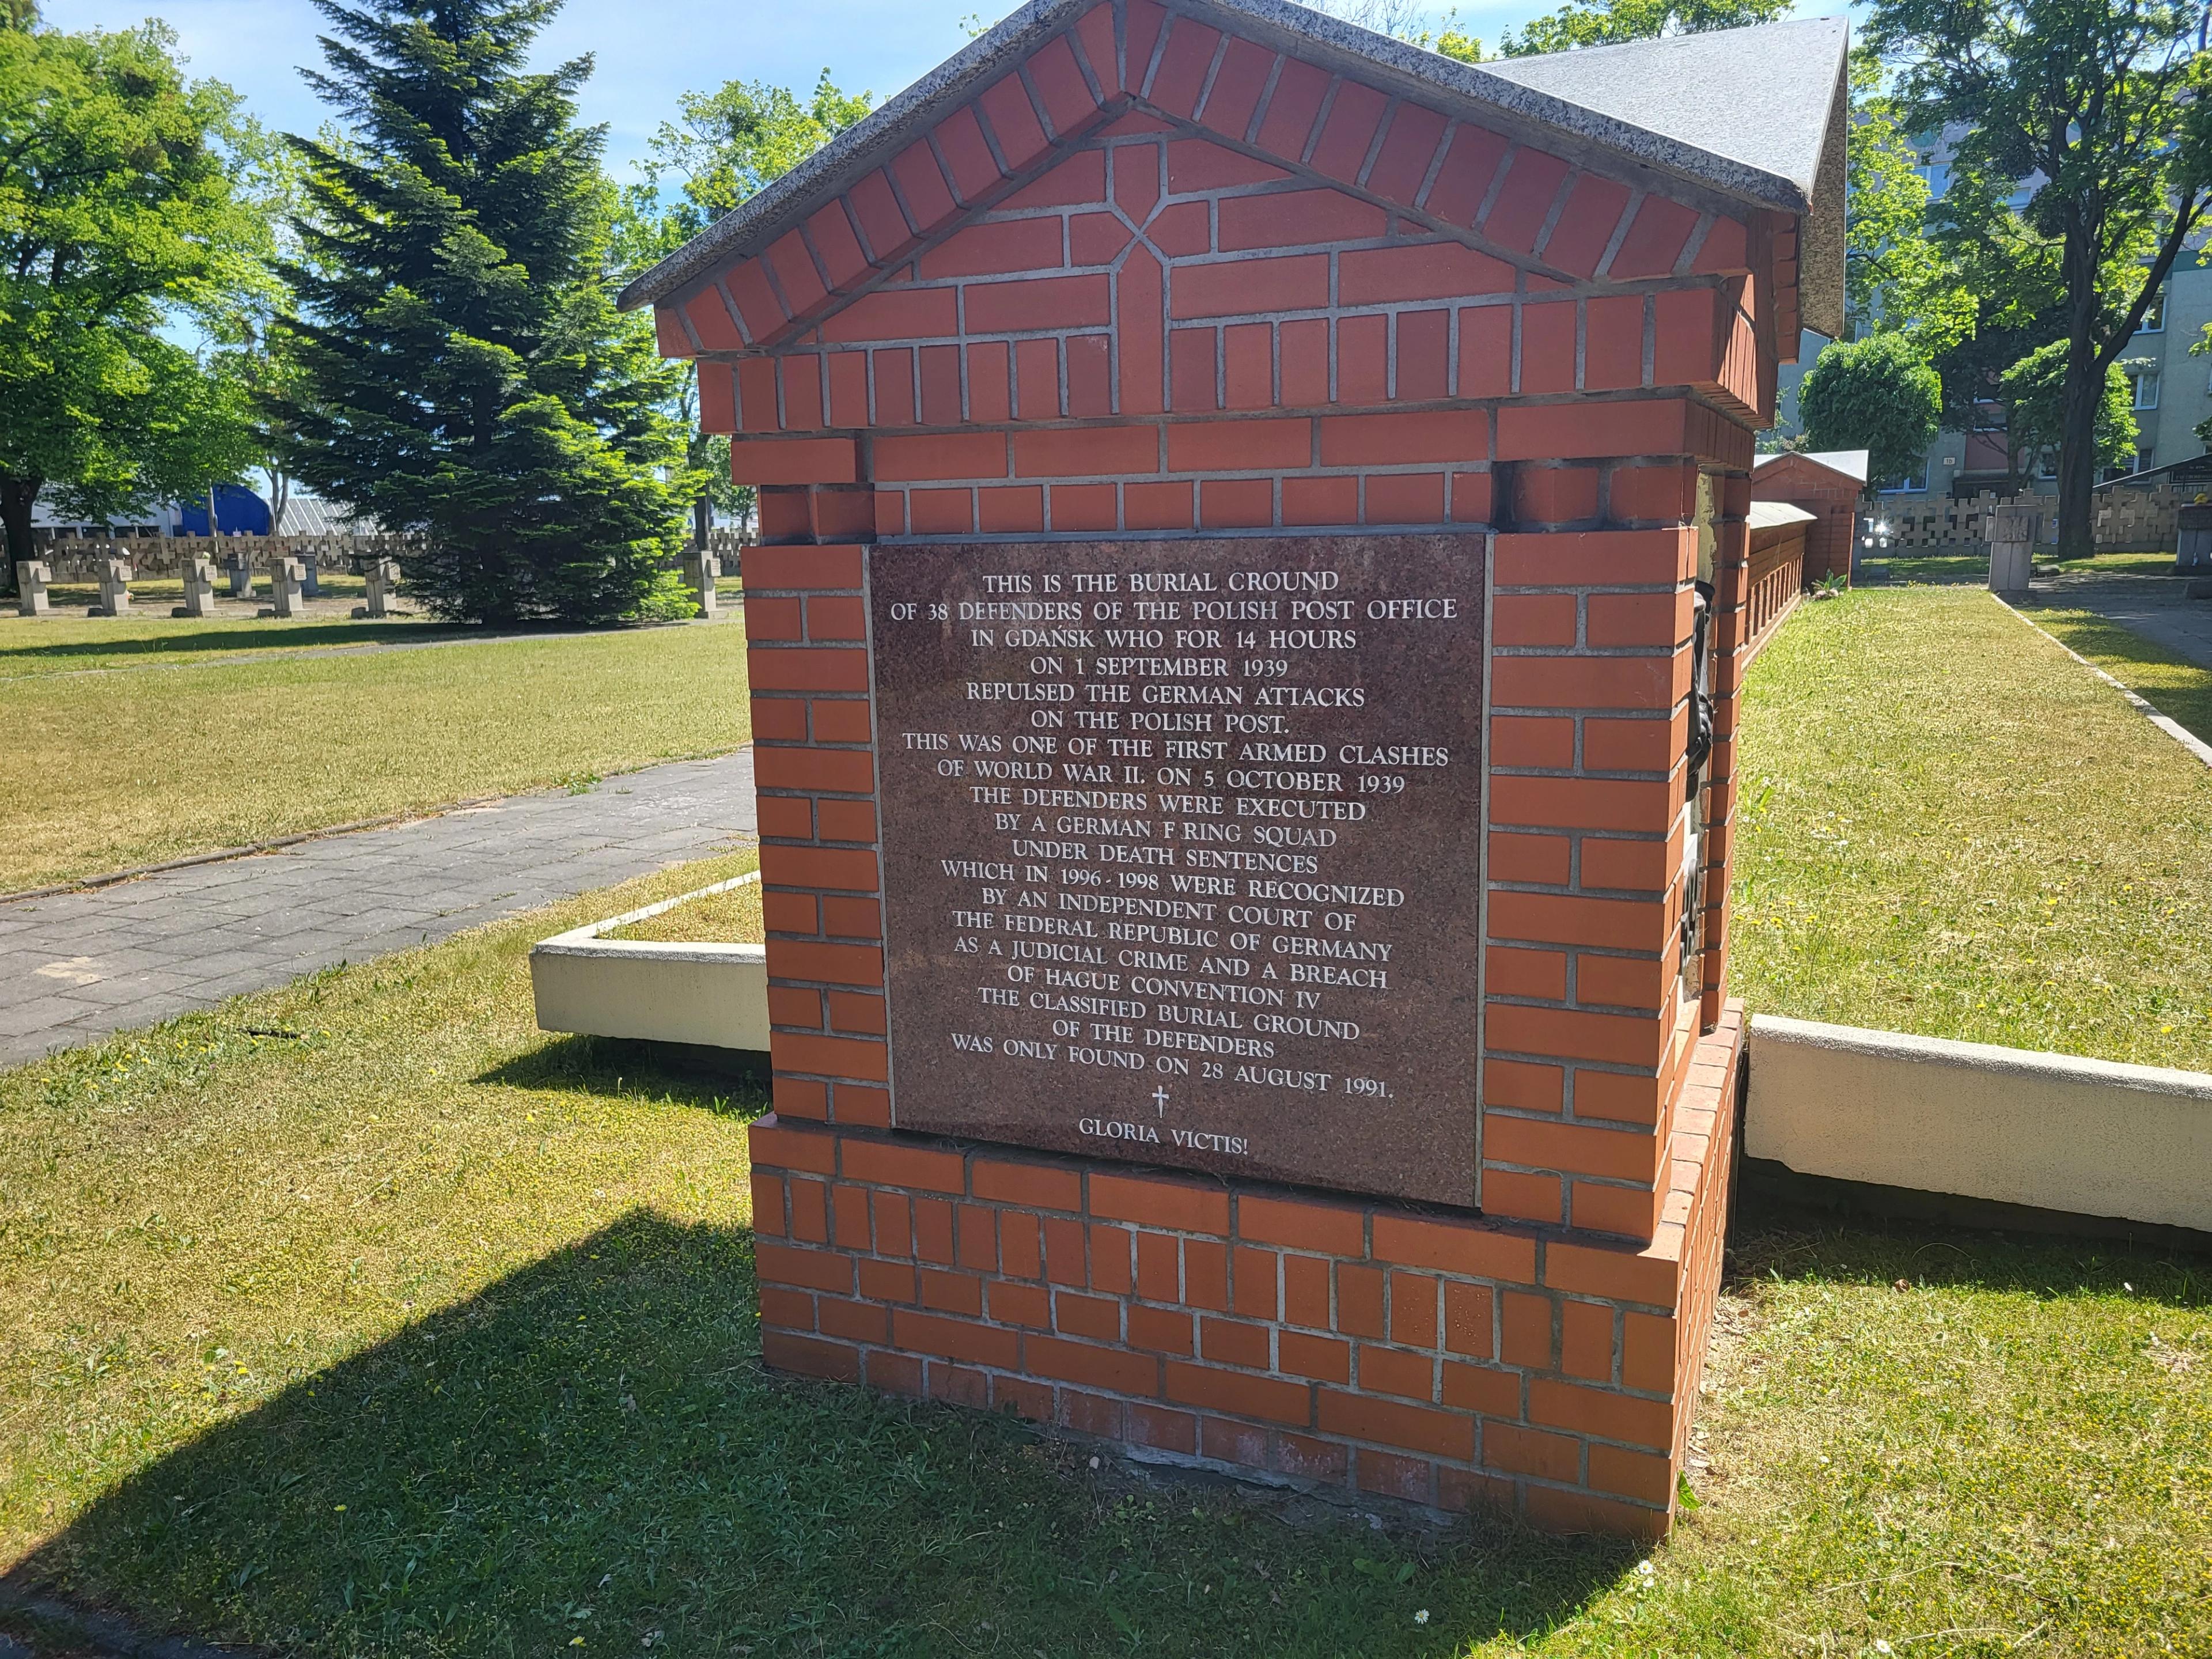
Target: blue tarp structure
[(237, 509)]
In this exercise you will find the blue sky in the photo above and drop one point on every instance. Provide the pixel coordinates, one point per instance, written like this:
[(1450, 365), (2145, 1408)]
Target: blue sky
[(647, 52)]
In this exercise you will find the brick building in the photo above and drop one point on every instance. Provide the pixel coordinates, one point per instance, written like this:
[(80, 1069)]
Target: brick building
[(1827, 484), (1127, 273)]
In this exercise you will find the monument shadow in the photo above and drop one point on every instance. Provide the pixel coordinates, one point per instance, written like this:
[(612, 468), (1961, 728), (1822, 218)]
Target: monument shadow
[(590, 1449)]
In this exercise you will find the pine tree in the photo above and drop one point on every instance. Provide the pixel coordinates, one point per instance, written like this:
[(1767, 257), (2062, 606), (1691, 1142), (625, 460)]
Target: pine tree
[(461, 368)]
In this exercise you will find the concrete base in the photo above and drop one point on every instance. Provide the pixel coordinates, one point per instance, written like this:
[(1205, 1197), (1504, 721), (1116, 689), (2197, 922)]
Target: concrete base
[(2009, 1126), (715, 996)]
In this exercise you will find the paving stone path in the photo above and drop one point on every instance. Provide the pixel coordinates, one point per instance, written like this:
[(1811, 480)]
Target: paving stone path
[(76, 966)]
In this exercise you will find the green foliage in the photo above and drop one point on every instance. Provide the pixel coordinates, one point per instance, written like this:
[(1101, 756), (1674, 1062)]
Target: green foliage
[(2033, 393), (727, 143), (461, 367), (1877, 394), (1895, 275), (2099, 106), (1609, 22), (116, 214)]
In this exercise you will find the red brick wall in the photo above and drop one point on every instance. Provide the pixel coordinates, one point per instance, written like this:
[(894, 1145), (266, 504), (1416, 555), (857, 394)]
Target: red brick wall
[(1254, 297), (1327, 1343), (1832, 499)]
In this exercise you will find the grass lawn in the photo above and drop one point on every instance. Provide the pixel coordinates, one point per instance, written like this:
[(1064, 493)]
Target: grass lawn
[(2175, 686), (103, 771), (421, 1332), (1952, 827), (734, 917), (1975, 567)]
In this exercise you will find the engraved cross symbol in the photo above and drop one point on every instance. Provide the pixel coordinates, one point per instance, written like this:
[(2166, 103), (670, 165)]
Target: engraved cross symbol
[(1160, 1100)]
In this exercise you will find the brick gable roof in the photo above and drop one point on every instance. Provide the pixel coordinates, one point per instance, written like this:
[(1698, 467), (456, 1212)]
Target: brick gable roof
[(1337, 103)]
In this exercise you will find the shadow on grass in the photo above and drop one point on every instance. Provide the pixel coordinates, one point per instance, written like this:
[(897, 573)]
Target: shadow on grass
[(725, 1080), (590, 1449), (1776, 1234), (286, 636)]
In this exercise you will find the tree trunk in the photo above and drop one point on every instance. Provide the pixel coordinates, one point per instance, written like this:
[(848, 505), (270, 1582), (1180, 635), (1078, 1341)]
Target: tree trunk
[(280, 493), (2085, 396), (703, 520), (16, 497)]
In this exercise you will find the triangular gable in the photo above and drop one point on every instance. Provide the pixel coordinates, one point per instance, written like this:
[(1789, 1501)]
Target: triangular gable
[(977, 131)]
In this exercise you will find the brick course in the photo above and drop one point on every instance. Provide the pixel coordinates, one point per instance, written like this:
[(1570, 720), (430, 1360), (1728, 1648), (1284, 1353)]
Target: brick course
[(1444, 1361)]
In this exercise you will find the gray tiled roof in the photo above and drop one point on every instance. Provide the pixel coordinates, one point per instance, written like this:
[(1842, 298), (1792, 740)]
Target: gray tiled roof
[(1754, 114)]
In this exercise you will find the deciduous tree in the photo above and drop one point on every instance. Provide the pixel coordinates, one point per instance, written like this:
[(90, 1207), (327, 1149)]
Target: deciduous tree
[(1877, 394), (2081, 129), (117, 215)]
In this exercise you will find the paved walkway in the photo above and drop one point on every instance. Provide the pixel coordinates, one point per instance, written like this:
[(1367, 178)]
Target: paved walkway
[(2158, 608), (76, 966)]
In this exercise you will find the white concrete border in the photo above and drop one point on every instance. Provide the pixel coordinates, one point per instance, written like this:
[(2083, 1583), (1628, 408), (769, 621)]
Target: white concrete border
[(2011, 1124), (713, 995)]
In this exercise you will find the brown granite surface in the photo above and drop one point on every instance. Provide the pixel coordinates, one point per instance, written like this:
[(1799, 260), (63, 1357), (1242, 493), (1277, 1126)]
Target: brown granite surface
[(1181, 844)]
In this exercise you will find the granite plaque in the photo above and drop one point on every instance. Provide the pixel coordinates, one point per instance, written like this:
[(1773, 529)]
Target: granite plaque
[(1181, 845)]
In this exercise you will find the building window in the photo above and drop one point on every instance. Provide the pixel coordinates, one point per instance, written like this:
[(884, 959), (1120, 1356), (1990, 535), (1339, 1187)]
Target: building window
[(2147, 389), (2153, 320), (1914, 482)]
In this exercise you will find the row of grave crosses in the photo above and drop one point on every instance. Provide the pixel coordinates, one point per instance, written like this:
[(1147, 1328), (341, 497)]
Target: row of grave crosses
[(291, 583)]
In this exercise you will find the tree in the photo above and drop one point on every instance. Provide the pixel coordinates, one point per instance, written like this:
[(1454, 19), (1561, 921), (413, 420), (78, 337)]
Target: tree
[(251, 326), (2032, 393), (1609, 22), (460, 367), (117, 215), (727, 144), (2094, 112), (1877, 394), (1896, 276)]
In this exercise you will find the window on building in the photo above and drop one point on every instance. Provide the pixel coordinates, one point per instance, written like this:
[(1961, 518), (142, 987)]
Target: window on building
[(2147, 389), (1913, 482), (2153, 320)]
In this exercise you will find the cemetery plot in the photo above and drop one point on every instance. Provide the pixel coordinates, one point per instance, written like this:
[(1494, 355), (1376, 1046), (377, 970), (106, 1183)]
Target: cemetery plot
[(1181, 845)]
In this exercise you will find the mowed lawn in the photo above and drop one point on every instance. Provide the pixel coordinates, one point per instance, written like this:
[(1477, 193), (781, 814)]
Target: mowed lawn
[(1952, 827), (169, 750), (416, 1331)]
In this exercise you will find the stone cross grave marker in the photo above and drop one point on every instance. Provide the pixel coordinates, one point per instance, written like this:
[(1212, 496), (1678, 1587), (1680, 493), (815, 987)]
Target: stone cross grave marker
[(115, 589), (31, 576)]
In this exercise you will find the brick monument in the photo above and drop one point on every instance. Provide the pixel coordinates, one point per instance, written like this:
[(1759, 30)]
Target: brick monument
[(1245, 659)]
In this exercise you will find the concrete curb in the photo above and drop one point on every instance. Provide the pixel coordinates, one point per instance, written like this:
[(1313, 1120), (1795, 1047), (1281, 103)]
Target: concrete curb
[(708, 996), (2012, 1125)]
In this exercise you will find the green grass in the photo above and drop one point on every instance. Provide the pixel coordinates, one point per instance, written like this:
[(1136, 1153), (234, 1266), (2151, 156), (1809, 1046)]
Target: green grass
[(1975, 567), (73, 645), (105, 771), (729, 918), (2177, 687), (420, 1332), (1950, 827)]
